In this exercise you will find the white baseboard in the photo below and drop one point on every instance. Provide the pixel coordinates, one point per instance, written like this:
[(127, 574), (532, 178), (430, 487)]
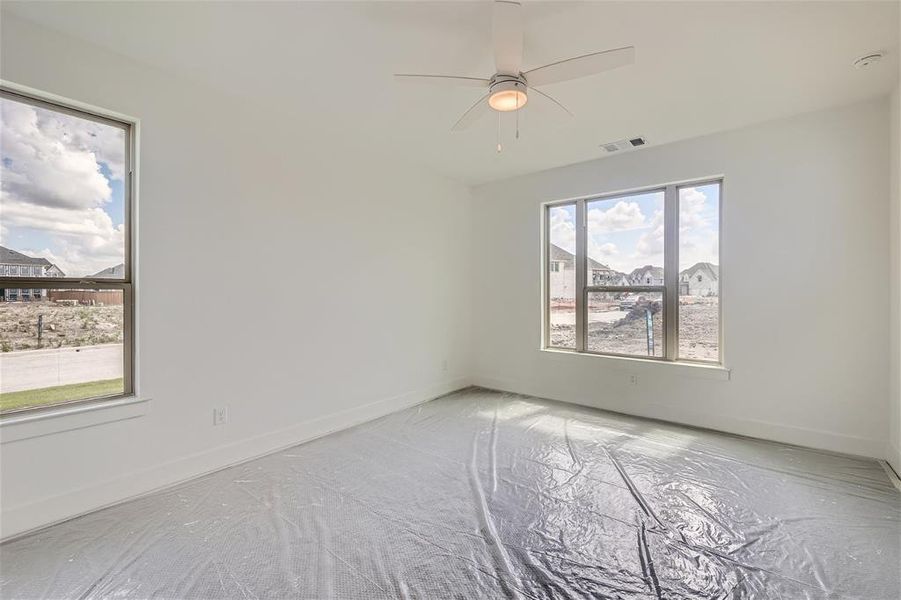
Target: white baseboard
[(787, 434), (892, 474), (19, 520), (893, 457)]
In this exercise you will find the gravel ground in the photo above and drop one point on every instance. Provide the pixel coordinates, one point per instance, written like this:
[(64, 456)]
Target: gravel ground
[(698, 333), (63, 325)]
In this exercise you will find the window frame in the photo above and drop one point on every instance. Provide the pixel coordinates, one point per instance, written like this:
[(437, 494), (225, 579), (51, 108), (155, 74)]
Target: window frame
[(126, 283), (669, 289)]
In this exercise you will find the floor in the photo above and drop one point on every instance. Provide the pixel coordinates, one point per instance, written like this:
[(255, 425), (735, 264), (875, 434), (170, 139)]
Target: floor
[(487, 495)]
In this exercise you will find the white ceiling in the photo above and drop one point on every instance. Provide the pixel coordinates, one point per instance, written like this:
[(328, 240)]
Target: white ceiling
[(700, 67)]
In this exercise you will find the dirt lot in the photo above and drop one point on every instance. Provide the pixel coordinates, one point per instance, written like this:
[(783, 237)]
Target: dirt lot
[(622, 336), (63, 325), (698, 333)]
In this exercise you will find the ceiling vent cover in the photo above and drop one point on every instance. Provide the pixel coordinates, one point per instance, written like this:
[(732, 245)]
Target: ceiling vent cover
[(629, 144)]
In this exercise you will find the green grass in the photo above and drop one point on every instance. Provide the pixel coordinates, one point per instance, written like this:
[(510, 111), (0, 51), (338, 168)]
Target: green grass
[(60, 393)]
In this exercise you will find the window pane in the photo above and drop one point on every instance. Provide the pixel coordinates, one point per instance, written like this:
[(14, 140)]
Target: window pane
[(625, 240), (60, 345), (626, 323), (63, 200), (699, 286), (562, 276)]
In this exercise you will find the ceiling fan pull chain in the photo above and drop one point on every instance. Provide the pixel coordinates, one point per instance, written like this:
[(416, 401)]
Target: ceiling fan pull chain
[(499, 147), (517, 118)]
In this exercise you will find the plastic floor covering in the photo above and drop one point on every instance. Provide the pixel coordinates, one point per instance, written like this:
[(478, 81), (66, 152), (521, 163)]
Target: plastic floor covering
[(488, 495)]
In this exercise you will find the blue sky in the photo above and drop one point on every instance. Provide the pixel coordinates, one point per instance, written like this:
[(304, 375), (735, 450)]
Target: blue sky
[(62, 192), (621, 231), (626, 232)]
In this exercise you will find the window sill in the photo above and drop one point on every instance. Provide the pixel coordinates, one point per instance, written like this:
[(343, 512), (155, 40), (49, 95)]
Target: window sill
[(626, 363), (18, 427)]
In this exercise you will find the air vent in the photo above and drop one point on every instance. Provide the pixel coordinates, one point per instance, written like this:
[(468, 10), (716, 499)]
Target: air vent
[(621, 145)]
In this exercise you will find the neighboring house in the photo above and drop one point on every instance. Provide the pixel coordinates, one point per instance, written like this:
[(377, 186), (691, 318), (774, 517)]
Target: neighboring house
[(646, 275), (702, 279), (563, 277), (604, 275), (16, 264), (116, 272)]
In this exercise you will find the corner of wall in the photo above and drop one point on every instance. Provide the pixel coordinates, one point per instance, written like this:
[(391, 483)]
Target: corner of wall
[(893, 452)]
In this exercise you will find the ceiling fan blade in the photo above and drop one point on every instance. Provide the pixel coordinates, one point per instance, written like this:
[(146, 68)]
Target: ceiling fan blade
[(475, 112), (506, 35), (551, 101), (581, 66), (442, 80)]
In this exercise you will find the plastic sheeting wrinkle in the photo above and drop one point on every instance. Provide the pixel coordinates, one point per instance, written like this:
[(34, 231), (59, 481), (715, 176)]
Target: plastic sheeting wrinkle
[(115, 566), (495, 546), (642, 503), (399, 523), (413, 506), (647, 562), (577, 463)]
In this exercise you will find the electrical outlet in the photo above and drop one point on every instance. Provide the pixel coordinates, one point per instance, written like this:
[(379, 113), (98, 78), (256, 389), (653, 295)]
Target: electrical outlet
[(220, 415), (633, 379)]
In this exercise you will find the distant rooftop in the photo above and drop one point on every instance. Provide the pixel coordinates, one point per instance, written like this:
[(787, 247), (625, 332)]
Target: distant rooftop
[(115, 272), (11, 257), (702, 266), (558, 253)]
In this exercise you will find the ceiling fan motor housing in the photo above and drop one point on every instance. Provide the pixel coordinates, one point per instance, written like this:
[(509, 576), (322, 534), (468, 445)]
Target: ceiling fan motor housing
[(507, 92)]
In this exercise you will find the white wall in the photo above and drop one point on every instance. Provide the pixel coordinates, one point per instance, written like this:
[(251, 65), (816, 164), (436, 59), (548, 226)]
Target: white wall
[(228, 188), (894, 450), (805, 258), (228, 191)]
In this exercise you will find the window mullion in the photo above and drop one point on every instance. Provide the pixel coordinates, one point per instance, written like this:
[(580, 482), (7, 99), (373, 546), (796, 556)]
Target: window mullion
[(671, 271), (581, 275)]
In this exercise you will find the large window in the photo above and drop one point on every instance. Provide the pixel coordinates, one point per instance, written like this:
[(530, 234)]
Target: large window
[(66, 299), (636, 274)]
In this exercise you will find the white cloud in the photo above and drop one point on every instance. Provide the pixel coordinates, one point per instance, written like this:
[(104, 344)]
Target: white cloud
[(52, 185), (622, 216), (608, 249), (603, 253), (697, 241), (650, 244), (703, 247), (86, 241), (105, 142), (42, 167), (563, 229), (698, 238), (692, 203)]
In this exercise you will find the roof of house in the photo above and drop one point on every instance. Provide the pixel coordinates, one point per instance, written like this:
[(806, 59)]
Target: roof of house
[(709, 268), (11, 257), (558, 253), (642, 272), (114, 272)]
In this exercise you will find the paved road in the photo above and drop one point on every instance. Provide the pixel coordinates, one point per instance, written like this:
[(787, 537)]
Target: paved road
[(32, 369)]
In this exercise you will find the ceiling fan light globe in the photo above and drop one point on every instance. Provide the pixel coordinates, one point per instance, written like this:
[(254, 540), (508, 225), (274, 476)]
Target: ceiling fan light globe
[(507, 100)]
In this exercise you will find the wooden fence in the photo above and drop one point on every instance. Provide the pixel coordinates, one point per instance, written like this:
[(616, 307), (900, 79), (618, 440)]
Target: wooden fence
[(88, 297)]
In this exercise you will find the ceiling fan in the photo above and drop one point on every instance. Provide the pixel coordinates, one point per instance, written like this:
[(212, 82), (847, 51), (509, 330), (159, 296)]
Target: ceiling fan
[(508, 89)]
